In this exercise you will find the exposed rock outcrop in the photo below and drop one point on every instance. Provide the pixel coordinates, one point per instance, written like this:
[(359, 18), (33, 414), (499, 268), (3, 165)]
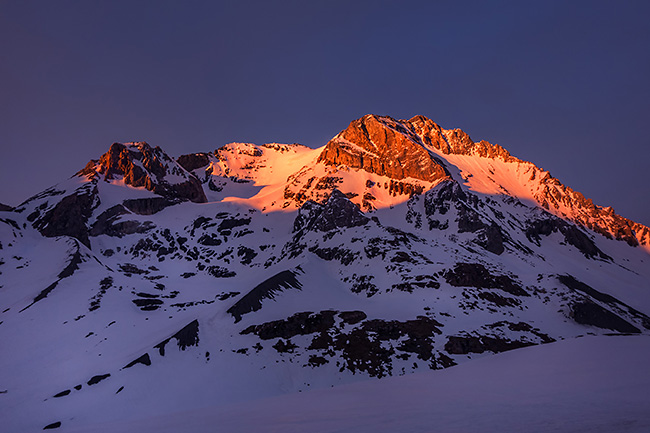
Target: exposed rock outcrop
[(185, 337), (74, 260), (383, 146), (148, 206), (252, 301), (69, 217), (572, 235), (337, 212), (454, 141), (299, 324), (140, 165), (589, 313), (193, 161), (463, 345), (476, 275), (439, 200), (553, 195), (368, 346), (109, 223)]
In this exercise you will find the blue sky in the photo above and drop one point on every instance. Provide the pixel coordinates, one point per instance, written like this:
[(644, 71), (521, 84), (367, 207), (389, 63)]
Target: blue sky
[(563, 84)]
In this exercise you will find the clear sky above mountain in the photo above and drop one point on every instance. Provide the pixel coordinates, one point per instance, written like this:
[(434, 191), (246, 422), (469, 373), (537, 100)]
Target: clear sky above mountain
[(562, 84)]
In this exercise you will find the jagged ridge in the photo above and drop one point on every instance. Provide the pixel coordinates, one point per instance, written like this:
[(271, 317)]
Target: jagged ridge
[(140, 165), (435, 272)]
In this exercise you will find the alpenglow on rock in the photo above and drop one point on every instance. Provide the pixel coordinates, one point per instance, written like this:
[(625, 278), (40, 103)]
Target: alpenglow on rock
[(140, 165), (383, 146), (147, 285)]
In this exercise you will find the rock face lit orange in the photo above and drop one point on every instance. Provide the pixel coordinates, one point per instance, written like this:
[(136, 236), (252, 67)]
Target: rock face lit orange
[(454, 141), (398, 246), (383, 146), (377, 161), (149, 173)]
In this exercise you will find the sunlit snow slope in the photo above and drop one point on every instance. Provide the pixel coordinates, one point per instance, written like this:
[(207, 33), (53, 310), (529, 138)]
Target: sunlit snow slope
[(146, 285)]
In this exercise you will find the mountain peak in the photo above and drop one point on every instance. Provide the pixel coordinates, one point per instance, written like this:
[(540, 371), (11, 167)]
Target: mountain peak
[(338, 212), (377, 162), (400, 148), (138, 164), (454, 141), (382, 145), (399, 246)]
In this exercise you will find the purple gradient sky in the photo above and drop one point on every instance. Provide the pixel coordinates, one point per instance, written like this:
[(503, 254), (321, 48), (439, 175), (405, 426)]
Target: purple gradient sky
[(563, 84)]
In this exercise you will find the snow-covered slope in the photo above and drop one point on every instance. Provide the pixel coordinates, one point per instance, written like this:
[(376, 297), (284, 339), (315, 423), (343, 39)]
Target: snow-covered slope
[(146, 284), (564, 387)]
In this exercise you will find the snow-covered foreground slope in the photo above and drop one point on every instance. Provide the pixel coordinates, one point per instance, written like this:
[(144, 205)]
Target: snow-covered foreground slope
[(147, 285), (592, 384)]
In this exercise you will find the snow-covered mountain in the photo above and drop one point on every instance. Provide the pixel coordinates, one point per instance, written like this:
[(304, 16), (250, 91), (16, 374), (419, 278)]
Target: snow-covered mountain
[(146, 284), (575, 385)]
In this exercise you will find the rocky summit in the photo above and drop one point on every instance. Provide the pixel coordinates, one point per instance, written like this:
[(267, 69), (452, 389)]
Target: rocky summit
[(148, 284), (382, 146)]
